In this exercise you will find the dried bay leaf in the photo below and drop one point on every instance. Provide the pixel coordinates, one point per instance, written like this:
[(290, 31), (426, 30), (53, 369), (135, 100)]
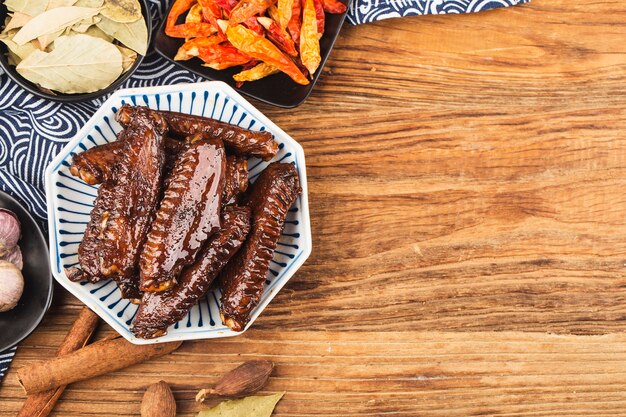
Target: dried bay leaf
[(96, 32), (132, 35), (77, 64), (52, 4), (52, 21), (122, 11), (12, 59), (85, 24), (257, 406), (90, 3), (128, 57), (18, 52), (29, 7), (44, 40), (17, 20)]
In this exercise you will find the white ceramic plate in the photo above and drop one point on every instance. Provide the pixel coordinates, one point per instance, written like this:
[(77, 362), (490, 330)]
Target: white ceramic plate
[(70, 201)]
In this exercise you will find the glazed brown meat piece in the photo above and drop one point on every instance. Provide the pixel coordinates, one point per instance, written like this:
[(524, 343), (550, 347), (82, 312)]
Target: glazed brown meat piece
[(158, 311), (97, 165), (238, 140), (189, 213), (135, 191), (236, 181), (89, 256), (241, 281)]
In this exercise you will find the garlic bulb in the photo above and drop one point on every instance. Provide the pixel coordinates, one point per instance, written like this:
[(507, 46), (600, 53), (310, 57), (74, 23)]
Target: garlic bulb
[(11, 285), (9, 231), (15, 257)]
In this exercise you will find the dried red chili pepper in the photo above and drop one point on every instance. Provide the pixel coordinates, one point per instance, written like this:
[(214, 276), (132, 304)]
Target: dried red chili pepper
[(253, 24), (277, 35), (334, 6), (185, 30), (210, 9), (221, 65), (273, 13), (261, 70), (250, 64), (309, 38), (194, 15), (192, 47), (190, 30), (211, 12), (295, 23), (245, 9), (222, 56), (262, 49), (284, 9), (227, 5), (319, 14)]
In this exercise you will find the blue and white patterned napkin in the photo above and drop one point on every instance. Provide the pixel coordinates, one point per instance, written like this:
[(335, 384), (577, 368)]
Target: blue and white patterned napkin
[(364, 11), (5, 360), (33, 130)]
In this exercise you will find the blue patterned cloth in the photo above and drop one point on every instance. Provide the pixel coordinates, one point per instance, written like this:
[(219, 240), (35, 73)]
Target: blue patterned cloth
[(5, 360), (364, 11), (33, 130)]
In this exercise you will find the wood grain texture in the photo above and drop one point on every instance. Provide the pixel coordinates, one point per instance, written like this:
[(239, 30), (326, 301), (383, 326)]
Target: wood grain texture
[(467, 187)]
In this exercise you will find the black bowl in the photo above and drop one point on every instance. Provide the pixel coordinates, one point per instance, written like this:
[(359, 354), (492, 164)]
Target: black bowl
[(278, 90), (34, 89), (18, 323)]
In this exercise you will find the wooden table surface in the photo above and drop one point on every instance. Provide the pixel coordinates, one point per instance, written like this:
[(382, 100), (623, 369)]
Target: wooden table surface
[(467, 185)]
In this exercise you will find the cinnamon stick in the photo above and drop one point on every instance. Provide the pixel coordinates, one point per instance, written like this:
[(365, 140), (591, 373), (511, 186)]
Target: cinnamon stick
[(40, 404), (99, 358)]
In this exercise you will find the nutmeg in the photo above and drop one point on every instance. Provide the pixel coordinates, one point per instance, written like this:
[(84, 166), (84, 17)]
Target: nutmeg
[(158, 401), (244, 380)]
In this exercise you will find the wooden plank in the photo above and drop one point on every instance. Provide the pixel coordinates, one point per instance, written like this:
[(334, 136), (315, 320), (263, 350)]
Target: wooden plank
[(467, 188), (376, 373)]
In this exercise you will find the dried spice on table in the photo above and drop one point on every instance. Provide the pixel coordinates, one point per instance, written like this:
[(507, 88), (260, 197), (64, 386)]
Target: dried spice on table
[(246, 379)]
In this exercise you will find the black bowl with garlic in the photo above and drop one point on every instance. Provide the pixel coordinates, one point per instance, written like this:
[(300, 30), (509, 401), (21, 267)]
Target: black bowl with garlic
[(72, 50), (25, 280)]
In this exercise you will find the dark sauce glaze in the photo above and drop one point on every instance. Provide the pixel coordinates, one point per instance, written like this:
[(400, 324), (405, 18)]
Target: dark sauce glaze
[(136, 189), (241, 281), (158, 311), (238, 140), (97, 165), (187, 216), (236, 181), (88, 250)]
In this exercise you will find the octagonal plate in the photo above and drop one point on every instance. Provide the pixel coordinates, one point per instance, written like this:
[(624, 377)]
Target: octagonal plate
[(70, 201)]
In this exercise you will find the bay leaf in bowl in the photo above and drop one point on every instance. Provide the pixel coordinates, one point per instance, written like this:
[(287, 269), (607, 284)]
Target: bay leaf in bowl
[(77, 64), (113, 33)]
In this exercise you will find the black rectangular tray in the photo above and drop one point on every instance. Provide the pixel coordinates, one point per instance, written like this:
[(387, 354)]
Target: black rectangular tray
[(278, 90)]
